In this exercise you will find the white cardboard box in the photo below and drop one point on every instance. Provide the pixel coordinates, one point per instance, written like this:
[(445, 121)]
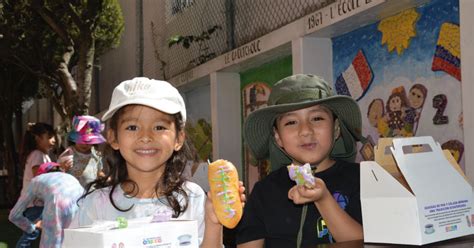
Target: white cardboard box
[(174, 233), (438, 207)]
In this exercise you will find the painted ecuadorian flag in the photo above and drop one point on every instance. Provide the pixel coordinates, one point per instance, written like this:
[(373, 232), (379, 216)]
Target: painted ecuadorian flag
[(447, 56), (356, 79)]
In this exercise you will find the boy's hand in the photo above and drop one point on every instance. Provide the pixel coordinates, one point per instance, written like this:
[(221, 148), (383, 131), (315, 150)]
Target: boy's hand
[(301, 194), (211, 214)]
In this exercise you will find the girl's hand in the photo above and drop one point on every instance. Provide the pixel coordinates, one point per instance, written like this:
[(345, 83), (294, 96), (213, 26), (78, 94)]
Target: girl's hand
[(66, 159), (211, 214), (66, 164), (301, 194), (38, 225)]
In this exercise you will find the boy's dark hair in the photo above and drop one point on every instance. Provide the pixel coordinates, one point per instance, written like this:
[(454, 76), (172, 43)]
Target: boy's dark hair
[(28, 143), (170, 185)]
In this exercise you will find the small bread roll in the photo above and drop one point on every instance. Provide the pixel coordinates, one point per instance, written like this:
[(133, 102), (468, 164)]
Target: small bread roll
[(224, 184)]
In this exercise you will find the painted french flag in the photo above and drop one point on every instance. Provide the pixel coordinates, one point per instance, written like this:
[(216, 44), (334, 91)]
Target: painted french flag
[(356, 79)]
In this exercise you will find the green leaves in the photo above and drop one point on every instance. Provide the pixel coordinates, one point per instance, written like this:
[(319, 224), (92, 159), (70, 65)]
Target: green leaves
[(201, 136), (187, 40)]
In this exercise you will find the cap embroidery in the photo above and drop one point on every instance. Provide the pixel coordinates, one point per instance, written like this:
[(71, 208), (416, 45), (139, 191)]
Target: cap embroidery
[(139, 86)]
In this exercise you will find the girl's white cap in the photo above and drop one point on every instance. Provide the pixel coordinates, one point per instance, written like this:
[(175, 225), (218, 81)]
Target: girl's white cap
[(156, 94)]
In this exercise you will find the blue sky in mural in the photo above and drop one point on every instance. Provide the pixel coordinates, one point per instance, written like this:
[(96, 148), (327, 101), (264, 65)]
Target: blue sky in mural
[(385, 65)]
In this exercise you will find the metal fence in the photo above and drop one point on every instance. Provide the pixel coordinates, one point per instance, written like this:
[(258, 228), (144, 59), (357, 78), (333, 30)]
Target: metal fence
[(233, 22)]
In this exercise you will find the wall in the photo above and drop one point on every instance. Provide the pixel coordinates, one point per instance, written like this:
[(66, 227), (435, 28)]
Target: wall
[(198, 126), (119, 64), (393, 55), (193, 20), (153, 37), (255, 89)]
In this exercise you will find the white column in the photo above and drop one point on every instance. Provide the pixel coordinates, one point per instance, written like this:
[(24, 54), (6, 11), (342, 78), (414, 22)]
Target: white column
[(466, 8), (312, 55), (226, 118)]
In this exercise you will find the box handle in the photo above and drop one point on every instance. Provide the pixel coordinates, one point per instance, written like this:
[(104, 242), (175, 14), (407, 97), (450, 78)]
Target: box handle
[(416, 148)]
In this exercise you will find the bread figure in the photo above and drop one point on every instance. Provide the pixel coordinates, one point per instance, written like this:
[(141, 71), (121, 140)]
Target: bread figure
[(302, 175), (224, 185)]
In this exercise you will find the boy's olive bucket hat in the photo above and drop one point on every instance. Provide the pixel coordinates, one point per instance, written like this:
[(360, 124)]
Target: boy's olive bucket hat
[(297, 92)]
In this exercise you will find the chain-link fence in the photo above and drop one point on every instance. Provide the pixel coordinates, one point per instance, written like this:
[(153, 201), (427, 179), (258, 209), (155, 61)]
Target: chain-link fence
[(209, 28)]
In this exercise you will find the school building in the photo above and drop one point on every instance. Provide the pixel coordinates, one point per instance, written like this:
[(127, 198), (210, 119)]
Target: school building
[(408, 63)]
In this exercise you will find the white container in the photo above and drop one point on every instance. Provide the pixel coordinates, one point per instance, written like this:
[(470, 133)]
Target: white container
[(174, 233), (436, 206)]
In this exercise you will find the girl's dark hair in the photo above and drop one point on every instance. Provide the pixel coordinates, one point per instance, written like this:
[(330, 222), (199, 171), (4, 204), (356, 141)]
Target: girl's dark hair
[(28, 143), (402, 97), (170, 185)]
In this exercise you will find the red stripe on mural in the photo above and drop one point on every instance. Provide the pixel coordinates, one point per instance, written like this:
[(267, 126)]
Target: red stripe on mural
[(362, 68)]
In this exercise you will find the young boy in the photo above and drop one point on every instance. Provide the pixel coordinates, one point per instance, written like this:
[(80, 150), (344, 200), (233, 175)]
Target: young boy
[(304, 122)]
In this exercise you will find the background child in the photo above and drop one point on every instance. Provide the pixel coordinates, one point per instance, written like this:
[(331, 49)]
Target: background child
[(304, 122), (81, 159), (38, 140), (59, 192), (146, 160)]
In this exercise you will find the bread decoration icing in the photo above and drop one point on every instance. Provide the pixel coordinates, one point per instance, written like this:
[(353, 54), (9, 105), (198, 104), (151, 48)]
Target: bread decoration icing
[(301, 174), (224, 185)]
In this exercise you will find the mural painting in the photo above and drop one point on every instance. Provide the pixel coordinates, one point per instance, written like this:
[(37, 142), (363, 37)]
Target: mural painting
[(404, 71), (256, 86), (199, 133)]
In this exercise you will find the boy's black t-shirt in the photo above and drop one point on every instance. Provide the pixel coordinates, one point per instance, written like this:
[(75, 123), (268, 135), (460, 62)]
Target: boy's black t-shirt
[(270, 215)]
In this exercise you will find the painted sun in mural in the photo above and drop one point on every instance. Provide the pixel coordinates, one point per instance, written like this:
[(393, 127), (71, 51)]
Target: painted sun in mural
[(398, 30)]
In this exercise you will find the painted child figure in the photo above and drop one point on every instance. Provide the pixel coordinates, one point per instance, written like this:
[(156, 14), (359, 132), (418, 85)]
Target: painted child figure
[(304, 122), (81, 159), (59, 192), (147, 155)]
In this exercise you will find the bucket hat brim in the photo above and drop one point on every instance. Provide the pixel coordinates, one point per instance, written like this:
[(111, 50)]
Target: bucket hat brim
[(87, 139)]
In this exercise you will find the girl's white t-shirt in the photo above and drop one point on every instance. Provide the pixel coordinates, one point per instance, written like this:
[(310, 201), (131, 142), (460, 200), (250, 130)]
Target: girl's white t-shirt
[(35, 158), (97, 207)]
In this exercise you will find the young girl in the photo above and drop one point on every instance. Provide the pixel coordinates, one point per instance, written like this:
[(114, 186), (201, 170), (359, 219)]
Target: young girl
[(38, 140), (148, 156), (81, 159)]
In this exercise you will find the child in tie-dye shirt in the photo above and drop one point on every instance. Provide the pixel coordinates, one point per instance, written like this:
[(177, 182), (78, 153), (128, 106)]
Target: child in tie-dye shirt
[(59, 191)]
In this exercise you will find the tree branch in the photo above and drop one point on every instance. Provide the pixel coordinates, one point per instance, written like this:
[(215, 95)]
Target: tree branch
[(24, 66), (94, 8), (50, 19), (65, 75), (75, 17)]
